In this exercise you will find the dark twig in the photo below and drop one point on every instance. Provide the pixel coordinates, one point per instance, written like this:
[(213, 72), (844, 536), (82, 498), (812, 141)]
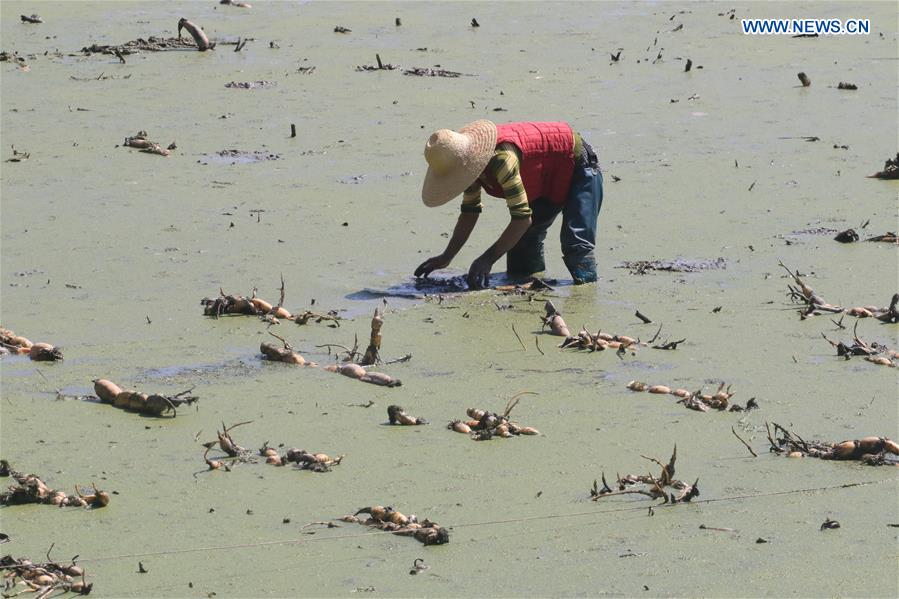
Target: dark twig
[(537, 343), (754, 454), (642, 317), (656, 336), (519, 338), (670, 344)]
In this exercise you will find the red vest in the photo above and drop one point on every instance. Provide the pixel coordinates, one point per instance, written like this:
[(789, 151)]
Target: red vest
[(547, 159)]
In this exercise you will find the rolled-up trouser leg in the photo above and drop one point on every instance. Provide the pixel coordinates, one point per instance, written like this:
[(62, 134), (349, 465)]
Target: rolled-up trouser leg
[(579, 222), (526, 258)]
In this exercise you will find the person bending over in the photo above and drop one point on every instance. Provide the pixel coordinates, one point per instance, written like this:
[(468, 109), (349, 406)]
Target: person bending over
[(541, 169)]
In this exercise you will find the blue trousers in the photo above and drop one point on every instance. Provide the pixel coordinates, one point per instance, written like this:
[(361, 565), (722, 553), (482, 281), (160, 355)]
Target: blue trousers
[(580, 214)]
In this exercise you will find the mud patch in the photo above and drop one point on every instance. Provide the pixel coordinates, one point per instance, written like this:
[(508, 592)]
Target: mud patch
[(639, 267), (807, 232), (178, 376), (238, 157), (426, 72), (153, 44), (420, 288), (251, 84)]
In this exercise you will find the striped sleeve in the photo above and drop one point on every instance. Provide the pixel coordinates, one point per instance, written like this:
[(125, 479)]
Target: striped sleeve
[(504, 166), (471, 199)]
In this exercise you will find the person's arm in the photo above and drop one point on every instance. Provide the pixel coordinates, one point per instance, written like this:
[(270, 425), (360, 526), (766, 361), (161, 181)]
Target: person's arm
[(464, 226), (479, 272), (505, 167), (468, 218)]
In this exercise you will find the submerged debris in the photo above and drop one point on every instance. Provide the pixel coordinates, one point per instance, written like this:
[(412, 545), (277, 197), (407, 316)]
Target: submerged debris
[(39, 352), (31, 19), (844, 85), (140, 141), (527, 288), (869, 450), (639, 267), (31, 489), (649, 485), (151, 44), (427, 72), (262, 84), (484, 425), (239, 157), (890, 169), (390, 520)]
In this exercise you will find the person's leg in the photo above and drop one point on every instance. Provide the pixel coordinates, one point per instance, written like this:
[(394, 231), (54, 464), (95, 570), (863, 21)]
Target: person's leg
[(526, 258), (579, 222)]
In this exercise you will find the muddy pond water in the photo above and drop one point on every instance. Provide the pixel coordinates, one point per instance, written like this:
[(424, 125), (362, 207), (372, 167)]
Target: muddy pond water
[(107, 253)]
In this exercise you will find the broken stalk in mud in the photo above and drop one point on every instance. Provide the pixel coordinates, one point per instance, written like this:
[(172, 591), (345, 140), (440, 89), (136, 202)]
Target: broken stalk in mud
[(372, 355)]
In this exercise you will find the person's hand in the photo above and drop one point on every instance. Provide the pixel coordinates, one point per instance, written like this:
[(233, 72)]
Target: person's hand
[(479, 273), (431, 264)]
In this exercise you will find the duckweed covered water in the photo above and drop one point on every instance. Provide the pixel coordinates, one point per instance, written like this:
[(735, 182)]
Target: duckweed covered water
[(107, 251)]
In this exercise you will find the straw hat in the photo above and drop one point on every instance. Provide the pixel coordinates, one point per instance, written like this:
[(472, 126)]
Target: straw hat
[(455, 159)]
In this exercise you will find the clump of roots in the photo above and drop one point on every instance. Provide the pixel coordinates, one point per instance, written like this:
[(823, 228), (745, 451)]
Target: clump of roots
[(697, 400), (890, 169), (664, 486), (873, 352), (814, 304), (149, 405), (354, 364), (485, 425), (302, 459), (873, 451), (397, 415), (12, 343), (390, 520), (31, 489), (43, 579)]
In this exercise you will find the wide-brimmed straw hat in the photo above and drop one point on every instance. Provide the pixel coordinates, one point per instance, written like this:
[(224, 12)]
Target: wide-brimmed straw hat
[(455, 159)]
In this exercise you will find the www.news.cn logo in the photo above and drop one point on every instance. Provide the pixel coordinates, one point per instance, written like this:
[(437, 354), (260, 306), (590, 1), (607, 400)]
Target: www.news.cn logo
[(806, 26)]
